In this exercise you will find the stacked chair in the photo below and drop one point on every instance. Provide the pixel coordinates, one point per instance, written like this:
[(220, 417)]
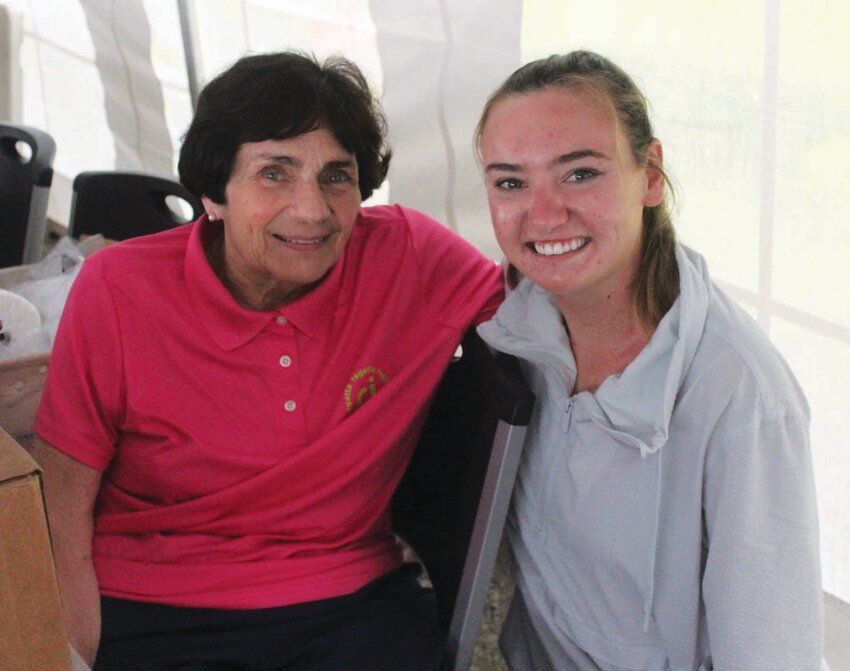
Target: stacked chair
[(121, 205), (118, 205), (26, 173)]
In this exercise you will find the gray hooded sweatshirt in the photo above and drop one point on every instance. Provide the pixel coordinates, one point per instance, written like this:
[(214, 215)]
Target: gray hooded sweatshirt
[(666, 521)]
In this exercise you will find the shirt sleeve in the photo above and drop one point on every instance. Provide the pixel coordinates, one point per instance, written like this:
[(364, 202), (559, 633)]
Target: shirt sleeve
[(462, 286), (762, 585), (82, 404)]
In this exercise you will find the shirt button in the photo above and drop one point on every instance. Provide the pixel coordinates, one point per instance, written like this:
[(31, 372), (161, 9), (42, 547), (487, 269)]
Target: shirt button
[(286, 361), (281, 320), (290, 406)]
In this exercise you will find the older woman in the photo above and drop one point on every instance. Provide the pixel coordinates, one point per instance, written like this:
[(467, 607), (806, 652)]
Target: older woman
[(231, 404), (664, 516)]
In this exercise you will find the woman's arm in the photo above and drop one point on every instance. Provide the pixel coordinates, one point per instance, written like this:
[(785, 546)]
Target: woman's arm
[(762, 584), (70, 490)]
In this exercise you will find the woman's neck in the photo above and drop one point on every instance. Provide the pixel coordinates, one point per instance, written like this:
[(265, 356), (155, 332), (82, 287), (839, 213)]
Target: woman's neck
[(606, 335), (252, 296)]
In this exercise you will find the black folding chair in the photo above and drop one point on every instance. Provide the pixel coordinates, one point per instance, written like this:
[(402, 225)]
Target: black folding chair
[(121, 205), (26, 172), (452, 503)]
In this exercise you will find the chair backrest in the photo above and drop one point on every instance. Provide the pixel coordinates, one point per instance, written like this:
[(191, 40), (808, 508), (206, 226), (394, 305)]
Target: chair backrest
[(121, 205), (26, 172), (452, 502)]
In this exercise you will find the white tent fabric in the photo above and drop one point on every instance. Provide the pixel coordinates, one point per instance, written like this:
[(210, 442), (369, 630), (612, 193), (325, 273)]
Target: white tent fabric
[(132, 93), (749, 101), (428, 55)]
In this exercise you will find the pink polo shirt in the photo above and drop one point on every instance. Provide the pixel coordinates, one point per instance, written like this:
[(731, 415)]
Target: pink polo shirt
[(249, 457)]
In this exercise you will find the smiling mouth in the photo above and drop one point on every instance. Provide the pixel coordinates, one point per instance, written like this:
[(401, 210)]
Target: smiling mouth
[(557, 248), (306, 242)]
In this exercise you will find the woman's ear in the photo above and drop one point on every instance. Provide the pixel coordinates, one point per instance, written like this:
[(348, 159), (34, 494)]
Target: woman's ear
[(211, 208), (655, 181)]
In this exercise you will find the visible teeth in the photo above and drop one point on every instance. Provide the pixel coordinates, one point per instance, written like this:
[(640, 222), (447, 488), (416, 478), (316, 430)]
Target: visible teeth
[(299, 241), (552, 249)]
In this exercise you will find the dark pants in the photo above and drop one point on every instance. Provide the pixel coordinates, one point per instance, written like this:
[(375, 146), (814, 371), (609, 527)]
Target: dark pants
[(388, 625)]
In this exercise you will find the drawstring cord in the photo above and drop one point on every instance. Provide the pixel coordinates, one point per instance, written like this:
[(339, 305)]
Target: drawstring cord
[(650, 578)]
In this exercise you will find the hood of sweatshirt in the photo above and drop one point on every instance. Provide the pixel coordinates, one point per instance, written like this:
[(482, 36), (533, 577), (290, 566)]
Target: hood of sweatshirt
[(635, 406)]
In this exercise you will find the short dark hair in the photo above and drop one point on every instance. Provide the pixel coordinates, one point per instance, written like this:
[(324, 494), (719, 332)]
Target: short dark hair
[(275, 97)]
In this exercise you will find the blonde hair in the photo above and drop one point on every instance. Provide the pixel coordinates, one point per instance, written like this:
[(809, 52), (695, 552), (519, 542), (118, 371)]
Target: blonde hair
[(656, 283)]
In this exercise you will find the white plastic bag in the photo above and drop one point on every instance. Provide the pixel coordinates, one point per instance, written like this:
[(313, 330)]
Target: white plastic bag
[(45, 287)]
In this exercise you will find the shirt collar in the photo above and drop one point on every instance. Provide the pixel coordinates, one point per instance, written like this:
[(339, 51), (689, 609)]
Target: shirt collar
[(637, 402), (229, 324)]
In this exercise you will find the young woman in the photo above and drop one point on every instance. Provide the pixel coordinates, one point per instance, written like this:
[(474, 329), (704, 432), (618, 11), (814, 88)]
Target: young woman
[(664, 517)]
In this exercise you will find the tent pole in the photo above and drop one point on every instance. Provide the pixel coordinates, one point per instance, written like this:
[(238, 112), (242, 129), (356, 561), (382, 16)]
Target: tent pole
[(187, 29)]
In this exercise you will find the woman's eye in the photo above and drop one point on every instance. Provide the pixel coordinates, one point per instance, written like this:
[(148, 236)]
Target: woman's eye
[(508, 183), (272, 174), (582, 174), (340, 177)]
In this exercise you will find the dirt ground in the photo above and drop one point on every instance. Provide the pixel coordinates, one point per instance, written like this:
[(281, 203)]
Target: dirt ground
[(487, 656)]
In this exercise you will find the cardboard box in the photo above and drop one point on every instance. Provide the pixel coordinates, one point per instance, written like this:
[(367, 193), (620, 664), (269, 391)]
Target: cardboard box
[(32, 632)]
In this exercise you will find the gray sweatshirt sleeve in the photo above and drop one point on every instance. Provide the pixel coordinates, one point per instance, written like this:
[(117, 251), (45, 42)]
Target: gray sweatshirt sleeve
[(762, 583)]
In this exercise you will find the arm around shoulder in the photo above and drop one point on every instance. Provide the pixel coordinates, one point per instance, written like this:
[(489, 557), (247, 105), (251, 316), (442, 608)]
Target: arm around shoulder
[(70, 490), (462, 285)]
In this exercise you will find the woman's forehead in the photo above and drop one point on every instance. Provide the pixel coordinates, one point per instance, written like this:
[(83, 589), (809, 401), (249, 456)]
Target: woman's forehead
[(573, 104), (551, 120), (319, 140)]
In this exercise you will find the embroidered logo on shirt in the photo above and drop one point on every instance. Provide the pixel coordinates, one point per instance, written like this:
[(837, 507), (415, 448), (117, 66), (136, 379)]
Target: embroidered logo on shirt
[(364, 385)]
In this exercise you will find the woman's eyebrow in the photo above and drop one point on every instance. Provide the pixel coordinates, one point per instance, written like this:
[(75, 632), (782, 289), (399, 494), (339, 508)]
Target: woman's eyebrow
[(578, 154), (285, 159), (341, 164), (560, 160), (503, 167)]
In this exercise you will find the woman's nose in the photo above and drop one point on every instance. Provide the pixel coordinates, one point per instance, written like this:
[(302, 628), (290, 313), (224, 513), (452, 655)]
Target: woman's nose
[(310, 204), (548, 207)]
